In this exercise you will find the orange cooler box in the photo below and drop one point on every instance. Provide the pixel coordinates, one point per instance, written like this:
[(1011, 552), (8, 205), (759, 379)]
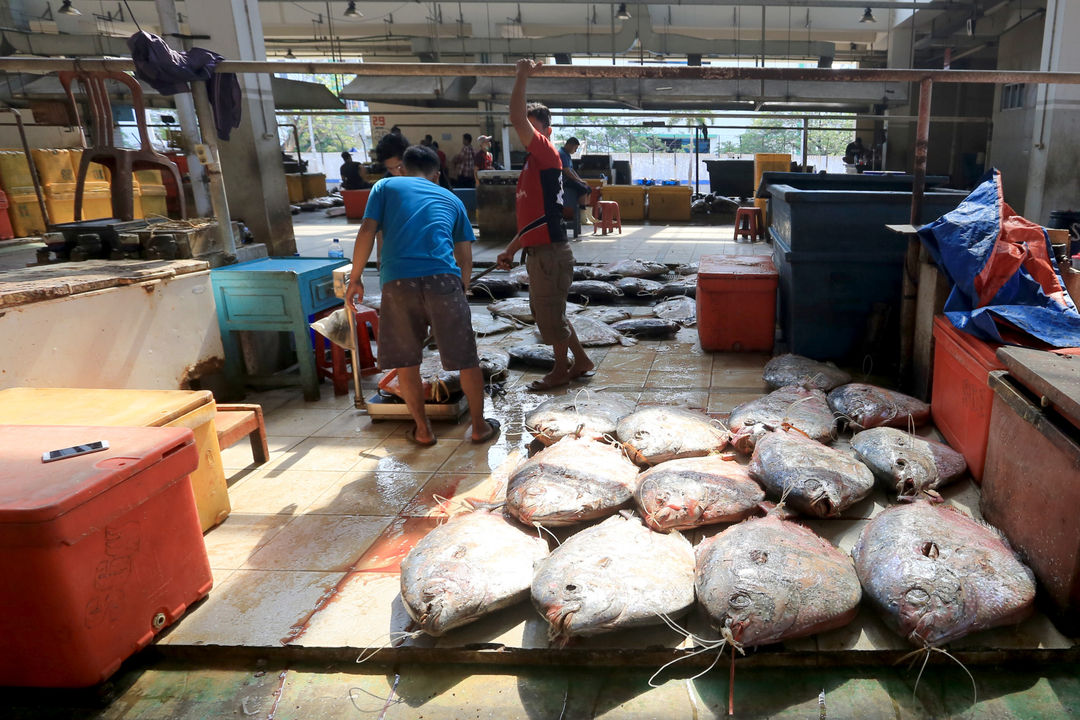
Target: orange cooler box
[(193, 409), (961, 399), (736, 303), (355, 203), (99, 552)]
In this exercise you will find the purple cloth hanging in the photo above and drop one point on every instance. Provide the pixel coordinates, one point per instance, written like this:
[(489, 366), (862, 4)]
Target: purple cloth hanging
[(169, 72)]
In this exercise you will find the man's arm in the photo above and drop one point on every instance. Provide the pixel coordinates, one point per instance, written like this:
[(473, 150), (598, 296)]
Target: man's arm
[(463, 256), (507, 256), (518, 118), (365, 241)]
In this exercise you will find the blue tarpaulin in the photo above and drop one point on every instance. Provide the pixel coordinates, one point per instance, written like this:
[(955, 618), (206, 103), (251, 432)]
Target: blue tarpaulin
[(1002, 270)]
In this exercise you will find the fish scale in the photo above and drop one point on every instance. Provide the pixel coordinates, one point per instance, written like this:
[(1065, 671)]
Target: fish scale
[(655, 434), (691, 492), (905, 464), (803, 409), (789, 369)]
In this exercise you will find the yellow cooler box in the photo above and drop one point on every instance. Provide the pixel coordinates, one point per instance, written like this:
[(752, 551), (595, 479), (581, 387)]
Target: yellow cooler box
[(314, 185), (53, 166), (768, 162), (24, 211), (133, 408), (669, 202), (631, 199), (97, 192), (153, 193), (295, 184)]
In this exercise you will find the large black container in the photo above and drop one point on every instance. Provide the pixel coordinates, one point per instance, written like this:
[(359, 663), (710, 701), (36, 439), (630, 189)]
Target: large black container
[(622, 172), (841, 269), (731, 178)]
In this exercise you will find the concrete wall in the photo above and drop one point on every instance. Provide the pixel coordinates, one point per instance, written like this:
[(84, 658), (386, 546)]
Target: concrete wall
[(1010, 147)]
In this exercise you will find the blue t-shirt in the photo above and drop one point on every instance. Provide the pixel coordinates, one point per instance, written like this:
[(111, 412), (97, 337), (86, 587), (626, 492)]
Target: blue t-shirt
[(420, 222), (567, 162)]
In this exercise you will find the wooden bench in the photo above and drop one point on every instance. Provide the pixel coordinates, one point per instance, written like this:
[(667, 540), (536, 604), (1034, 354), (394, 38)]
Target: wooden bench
[(235, 422)]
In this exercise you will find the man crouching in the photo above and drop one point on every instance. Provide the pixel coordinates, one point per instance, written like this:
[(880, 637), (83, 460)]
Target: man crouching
[(425, 263)]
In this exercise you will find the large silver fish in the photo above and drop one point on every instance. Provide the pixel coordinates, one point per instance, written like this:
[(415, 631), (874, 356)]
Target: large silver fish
[(792, 406), (691, 492), (790, 369), (656, 434), (810, 477), (638, 287), (590, 416), (617, 574), (906, 464), (519, 309), (641, 327), (767, 580), (473, 565), (572, 481), (607, 315), (863, 406), (636, 268), (936, 575), (593, 291), (682, 310), (593, 333)]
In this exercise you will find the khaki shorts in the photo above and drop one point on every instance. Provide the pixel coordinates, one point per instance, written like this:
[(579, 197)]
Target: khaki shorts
[(551, 270), (412, 305)]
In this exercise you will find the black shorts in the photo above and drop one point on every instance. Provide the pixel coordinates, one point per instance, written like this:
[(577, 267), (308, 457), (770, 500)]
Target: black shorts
[(410, 306)]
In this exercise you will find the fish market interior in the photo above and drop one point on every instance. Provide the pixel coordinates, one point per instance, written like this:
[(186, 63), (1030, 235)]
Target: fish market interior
[(751, 326)]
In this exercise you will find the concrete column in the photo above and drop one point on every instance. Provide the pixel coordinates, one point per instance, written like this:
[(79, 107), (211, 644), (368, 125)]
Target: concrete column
[(251, 158), (1053, 183), (900, 136)]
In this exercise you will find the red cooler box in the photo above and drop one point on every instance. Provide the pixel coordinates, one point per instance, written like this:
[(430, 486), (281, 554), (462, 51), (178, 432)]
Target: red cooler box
[(99, 552), (962, 399), (355, 203), (736, 303), (6, 232)]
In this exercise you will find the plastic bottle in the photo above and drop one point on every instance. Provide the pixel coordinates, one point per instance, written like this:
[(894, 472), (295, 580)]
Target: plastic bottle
[(335, 251)]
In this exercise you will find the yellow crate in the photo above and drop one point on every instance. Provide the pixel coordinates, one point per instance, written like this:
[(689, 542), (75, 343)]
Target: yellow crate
[(768, 162), (53, 166), (14, 171), (137, 211), (594, 182), (314, 185), (60, 202), (295, 185), (155, 199), (669, 202), (134, 408), (24, 211), (631, 199), (97, 201)]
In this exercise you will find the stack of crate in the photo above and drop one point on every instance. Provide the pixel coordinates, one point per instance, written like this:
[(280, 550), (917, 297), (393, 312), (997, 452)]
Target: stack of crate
[(18, 185)]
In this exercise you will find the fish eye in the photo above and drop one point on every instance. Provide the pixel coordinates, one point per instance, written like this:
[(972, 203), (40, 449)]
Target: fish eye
[(571, 588), (759, 556), (917, 596), (739, 601)]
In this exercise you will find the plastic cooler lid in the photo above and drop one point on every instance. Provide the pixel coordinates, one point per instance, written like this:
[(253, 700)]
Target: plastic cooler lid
[(741, 265), (35, 491), (94, 406), (982, 351)]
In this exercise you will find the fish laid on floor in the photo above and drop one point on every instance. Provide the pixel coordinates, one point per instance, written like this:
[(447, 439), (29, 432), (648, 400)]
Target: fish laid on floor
[(682, 310), (372, 301), (588, 272), (473, 565), (784, 370), (538, 356), (635, 287), (587, 415), (908, 465), (647, 327), (608, 315), (520, 275), (494, 286), (936, 575), (484, 323), (494, 362), (767, 580), (618, 574), (797, 407), (864, 406), (520, 310), (691, 492), (593, 291), (574, 480), (593, 333), (654, 435), (687, 268), (812, 478), (636, 268), (683, 286)]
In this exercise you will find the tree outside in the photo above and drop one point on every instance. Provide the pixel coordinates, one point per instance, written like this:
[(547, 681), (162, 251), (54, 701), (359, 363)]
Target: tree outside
[(764, 138), (332, 134)]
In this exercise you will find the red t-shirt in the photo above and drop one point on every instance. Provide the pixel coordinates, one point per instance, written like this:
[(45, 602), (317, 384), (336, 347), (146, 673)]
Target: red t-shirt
[(540, 195), (484, 160)]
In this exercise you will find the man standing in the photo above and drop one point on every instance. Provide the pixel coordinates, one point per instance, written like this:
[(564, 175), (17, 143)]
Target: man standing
[(465, 162), (426, 260), (539, 219), (350, 174), (575, 190)]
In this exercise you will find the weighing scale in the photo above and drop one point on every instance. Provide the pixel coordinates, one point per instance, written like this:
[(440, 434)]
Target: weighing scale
[(388, 407)]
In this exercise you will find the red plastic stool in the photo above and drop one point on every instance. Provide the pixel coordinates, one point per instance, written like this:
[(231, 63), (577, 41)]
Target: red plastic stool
[(337, 370), (749, 223), (367, 329), (607, 215)]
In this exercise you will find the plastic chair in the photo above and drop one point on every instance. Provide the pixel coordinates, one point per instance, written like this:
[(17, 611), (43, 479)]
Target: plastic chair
[(337, 371), (607, 216), (749, 223), (121, 162), (366, 318)]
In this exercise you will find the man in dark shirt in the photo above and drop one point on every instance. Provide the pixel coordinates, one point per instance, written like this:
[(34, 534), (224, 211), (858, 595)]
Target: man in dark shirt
[(576, 192), (350, 174)]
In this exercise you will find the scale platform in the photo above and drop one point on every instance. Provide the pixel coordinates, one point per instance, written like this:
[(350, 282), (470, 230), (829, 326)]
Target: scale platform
[(381, 407)]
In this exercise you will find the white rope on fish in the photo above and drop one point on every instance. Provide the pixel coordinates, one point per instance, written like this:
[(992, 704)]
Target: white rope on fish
[(929, 649), (726, 640), (393, 636), (553, 536), (387, 701)]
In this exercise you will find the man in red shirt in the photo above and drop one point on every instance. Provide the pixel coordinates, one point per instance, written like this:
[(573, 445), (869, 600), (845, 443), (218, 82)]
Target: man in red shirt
[(548, 257)]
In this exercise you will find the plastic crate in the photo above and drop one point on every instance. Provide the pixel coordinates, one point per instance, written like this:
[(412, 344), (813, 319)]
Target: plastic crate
[(671, 202), (736, 303), (768, 162), (99, 552), (295, 185), (961, 399), (355, 203), (53, 166), (314, 185), (24, 212), (631, 199), (6, 233)]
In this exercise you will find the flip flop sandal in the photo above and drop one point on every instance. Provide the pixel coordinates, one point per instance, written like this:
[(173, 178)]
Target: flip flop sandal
[(495, 426), (541, 386), (410, 435)]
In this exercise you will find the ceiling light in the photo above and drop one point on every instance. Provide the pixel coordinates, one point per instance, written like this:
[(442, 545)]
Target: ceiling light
[(66, 9), (351, 11), (289, 55), (868, 16), (622, 13)]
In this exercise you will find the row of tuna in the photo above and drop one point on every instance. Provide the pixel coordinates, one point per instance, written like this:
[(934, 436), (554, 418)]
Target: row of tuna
[(625, 279)]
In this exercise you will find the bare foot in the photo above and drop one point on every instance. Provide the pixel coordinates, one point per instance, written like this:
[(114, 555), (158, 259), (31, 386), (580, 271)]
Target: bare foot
[(581, 368), (549, 382)]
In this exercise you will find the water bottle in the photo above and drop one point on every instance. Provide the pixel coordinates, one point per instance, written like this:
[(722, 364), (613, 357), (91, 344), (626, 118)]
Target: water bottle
[(335, 251)]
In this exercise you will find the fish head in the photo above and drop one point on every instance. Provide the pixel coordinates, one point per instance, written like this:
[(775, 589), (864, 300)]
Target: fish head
[(821, 495), (536, 502), (914, 472), (580, 601), (666, 506), (447, 600), (760, 603), (931, 603)]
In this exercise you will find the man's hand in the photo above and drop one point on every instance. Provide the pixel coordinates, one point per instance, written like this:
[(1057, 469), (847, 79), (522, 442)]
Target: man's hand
[(526, 66), (504, 259), (355, 292)]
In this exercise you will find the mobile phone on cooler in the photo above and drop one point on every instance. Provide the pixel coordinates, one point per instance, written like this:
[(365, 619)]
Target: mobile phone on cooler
[(74, 450)]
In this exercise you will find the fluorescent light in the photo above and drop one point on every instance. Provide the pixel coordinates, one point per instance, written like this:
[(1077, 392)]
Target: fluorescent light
[(622, 13), (351, 11), (868, 16)]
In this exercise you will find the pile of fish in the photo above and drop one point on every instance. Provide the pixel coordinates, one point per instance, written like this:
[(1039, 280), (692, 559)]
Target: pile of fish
[(934, 573)]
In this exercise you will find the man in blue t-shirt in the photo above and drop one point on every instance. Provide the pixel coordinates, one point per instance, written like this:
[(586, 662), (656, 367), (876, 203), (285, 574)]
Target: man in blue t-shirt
[(425, 262)]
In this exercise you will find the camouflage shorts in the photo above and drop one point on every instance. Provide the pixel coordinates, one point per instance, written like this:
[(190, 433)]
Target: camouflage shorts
[(410, 306)]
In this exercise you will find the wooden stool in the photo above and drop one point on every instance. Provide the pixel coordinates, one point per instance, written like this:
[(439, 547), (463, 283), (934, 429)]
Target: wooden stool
[(607, 215), (749, 223), (235, 422), (337, 370), (367, 330)]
